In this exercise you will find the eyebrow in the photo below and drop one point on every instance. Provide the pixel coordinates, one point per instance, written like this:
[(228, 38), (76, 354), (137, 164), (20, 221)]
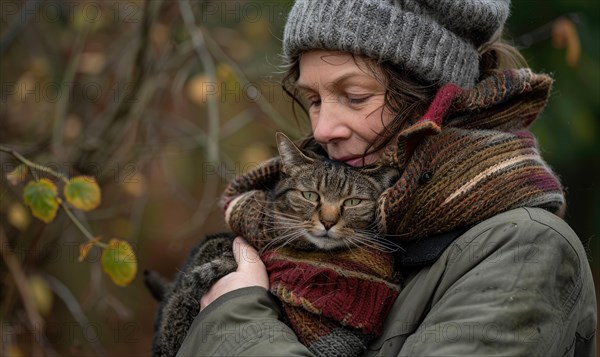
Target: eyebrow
[(333, 84)]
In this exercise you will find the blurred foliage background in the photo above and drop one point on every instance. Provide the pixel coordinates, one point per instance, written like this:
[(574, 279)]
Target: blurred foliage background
[(163, 101)]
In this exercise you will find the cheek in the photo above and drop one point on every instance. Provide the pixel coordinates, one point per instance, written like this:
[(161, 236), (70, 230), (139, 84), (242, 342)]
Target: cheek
[(374, 119), (359, 217), (296, 206), (313, 122), (387, 115)]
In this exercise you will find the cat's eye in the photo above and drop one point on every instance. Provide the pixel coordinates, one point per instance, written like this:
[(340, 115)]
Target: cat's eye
[(310, 195), (352, 202)]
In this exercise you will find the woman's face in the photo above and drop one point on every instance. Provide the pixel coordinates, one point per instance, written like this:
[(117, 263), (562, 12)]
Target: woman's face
[(346, 104)]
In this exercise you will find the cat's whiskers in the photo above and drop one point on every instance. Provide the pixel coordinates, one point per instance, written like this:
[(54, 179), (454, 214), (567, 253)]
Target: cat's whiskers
[(286, 238), (407, 234), (372, 240), (279, 215), (373, 228), (285, 224)]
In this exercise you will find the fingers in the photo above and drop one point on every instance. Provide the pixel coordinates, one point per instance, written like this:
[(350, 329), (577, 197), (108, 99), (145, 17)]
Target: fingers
[(250, 272), (244, 253)]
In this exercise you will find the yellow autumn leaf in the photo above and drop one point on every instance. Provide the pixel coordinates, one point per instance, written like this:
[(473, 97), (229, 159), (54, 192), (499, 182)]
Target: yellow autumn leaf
[(18, 216), (84, 249), (91, 62), (135, 186), (119, 262), (564, 35), (41, 197), (72, 127), (224, 72), (42, 295), (159, 34), (18, 175), (200, 89), (83, 193)]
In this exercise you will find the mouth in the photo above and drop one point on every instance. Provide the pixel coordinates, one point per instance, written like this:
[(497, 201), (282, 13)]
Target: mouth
[(324, 241), (354, 160)]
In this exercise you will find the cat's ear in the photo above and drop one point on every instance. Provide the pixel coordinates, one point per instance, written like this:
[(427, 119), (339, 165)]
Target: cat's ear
[(291, 156)]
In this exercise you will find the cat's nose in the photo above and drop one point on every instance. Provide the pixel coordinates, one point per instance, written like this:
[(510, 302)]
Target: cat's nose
[(327, 224)]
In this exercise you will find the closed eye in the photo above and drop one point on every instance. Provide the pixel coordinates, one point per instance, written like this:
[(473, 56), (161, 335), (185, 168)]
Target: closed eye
[(351, 202), (357, 100)]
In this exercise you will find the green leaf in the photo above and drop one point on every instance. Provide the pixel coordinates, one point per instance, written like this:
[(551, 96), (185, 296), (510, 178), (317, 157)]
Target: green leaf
[(119, 262), (83, 193), (41, 197)]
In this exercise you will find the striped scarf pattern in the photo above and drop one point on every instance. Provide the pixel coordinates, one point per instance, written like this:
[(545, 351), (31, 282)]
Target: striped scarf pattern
[(335, 302), (471, 156)]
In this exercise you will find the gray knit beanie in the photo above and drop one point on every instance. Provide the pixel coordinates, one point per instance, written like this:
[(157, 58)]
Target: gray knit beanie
[(435, 39)]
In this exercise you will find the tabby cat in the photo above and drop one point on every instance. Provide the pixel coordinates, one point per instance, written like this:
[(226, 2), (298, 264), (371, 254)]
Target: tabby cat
[(323, 204), (317, 204)]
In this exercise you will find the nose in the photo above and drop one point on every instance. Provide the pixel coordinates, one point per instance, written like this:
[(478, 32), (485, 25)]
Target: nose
[(327, 224), (329, 125), (329, 215)]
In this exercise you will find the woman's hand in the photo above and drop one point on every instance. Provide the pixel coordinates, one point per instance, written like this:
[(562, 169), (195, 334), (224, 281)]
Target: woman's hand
[(250, 272)]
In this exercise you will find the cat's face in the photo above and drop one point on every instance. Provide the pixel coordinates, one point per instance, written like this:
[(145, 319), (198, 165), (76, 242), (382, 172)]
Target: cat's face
[(326, 205)]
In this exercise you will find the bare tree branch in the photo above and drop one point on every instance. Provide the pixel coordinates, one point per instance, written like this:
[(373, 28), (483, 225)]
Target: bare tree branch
[(12, 263), (71, 303), (27, 13)]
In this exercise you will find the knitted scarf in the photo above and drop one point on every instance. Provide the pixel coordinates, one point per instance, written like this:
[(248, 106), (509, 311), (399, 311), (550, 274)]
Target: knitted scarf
[(336, 302), (468, 158)]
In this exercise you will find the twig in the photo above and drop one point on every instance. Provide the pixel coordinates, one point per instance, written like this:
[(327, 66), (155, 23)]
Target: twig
[(61, 108), (119, 120), (212, 146), (10, 291), (81, 228), (140, 202), (209, 67), (13, 265), (541, 33), (236, 123), (16, 28), (262, 103), (180, 78), (33, 165), (71, 303), (74, 219), (186, 128), (121, 310)]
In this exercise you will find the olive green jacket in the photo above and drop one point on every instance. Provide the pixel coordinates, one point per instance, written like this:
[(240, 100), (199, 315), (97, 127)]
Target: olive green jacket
[(518, 284)]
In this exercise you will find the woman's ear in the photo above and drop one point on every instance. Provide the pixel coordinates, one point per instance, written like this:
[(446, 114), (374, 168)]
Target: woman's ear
[(291, 156)]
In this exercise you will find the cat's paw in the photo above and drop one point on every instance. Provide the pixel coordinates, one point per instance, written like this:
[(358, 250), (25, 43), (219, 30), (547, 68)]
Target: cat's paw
[(202, 277)]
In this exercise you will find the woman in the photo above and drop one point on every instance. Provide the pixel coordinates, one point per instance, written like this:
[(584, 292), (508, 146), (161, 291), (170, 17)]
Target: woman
[(489, 267)]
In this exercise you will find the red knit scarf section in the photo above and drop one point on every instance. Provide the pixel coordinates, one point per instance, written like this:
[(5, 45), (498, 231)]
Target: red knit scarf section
[(321, 290), (468, 158)]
